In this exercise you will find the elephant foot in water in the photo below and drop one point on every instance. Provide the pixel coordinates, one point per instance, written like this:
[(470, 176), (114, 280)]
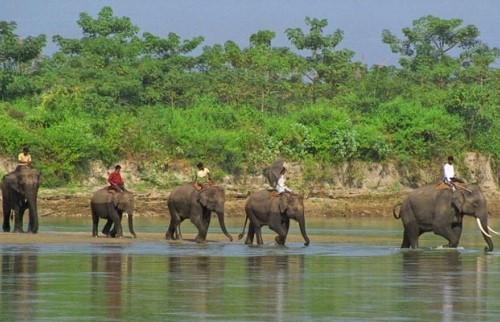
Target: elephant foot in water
[(200, 240), (279, 240)]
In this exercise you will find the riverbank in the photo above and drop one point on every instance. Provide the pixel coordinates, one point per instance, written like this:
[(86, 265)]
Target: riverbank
[(342, 203)]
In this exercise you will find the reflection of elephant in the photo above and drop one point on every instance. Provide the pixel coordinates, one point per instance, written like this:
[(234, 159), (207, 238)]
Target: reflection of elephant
[(110, 272), (275, 211), (19, 192), (111, 205), (186, 202), (21, 281), (441, 211)]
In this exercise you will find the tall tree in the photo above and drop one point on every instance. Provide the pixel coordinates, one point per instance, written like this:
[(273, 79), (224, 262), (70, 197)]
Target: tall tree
[(167, 68), (18, 59), (105, 58), (431, 51), (324, 64)]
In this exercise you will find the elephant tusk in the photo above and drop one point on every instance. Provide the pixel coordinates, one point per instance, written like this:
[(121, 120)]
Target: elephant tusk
[(481, 227), (495, 232)]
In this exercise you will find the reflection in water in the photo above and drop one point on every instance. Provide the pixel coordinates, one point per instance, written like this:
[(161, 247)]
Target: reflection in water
[(107, 279), (195, 284), (228, 282), (441, 279), (271, 279), (19, 283)]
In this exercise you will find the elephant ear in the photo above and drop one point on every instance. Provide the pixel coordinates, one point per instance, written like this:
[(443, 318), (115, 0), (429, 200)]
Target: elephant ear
[(13, 182), (202, 198), (283, 203), (458, 199)]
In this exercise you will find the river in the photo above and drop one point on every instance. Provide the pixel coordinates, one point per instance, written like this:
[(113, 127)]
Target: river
[(348, 279)]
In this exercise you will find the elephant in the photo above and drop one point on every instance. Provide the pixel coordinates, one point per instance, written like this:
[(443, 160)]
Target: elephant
[(19, 192), (265, 208), (186, 202), (441, 211), (111, 205)]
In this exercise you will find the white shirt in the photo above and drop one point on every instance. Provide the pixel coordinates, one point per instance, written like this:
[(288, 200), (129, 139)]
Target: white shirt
[(202, 173), (280, 186), (448, 172)]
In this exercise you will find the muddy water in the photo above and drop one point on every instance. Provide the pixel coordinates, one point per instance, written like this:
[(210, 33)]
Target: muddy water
[(359, 275)]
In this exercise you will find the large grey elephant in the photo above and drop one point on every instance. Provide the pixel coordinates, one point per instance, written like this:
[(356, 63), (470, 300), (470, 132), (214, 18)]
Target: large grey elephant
[(111, 205), (185, 202), (264, 208), (441, 211), (19, 192)]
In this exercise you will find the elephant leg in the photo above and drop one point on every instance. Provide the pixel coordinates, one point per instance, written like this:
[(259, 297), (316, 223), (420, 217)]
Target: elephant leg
[(280, 240), (95, 219), (254, 226), (250, 235), (457, 231), (110, 222), (448, 233), (18, 219), (258, 234), (406, 240), (201, 225), (116, 218), (173, 230), (275, 224), (7, 212), (107, 228)]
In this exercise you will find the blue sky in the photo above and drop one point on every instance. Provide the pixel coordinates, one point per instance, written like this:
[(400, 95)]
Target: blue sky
[(220, 20)]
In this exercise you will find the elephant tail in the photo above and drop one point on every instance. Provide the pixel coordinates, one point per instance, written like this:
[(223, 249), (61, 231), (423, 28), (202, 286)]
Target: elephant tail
[(240, 236), (395, 213)]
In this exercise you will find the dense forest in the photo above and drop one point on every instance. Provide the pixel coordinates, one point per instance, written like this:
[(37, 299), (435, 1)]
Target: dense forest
[(114, 94)]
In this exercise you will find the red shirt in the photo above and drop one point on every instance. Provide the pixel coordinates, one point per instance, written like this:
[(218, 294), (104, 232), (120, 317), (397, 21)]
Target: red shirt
[(115, 179)]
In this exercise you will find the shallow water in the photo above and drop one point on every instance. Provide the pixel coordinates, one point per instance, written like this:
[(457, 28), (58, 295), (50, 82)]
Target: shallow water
[(160, 281)]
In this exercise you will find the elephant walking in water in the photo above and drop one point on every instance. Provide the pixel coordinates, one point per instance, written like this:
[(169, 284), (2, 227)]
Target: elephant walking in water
[(185, 202), (441, 211), (111, 205), (19, 192), (262, 208)]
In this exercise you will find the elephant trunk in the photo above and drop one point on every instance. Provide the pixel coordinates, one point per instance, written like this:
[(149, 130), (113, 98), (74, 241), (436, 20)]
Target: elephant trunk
[(220, 216), (483, 226), (302, 226), (131, 223), (31, 198)]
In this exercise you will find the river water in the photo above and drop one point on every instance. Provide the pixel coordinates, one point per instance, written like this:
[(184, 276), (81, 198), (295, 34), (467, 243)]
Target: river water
[(369, 280)]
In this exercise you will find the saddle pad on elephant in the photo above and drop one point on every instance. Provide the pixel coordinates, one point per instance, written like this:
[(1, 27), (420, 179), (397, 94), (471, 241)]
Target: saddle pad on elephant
[(443, 186)]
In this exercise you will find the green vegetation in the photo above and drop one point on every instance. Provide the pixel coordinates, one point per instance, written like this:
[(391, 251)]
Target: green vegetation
[(114, 94)]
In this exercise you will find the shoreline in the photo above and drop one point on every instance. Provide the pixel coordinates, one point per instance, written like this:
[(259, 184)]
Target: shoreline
[(344, 203)]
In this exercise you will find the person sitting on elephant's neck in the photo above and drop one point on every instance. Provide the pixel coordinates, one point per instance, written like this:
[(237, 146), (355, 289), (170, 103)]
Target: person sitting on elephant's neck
[(449, 174), (202, 177), (281, 186), (115, 179), (24, 159)]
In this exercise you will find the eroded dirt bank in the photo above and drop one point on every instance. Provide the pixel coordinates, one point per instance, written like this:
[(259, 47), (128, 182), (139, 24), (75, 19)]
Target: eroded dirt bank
[(347, 203)]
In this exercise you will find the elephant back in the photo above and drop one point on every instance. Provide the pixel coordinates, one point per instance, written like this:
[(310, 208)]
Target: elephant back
[(102, 196)]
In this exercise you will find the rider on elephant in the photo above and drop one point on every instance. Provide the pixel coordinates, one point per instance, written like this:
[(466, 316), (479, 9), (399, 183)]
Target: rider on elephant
[(202, 177), (115, 180), (449, 174), (281, 186), (24, 159)]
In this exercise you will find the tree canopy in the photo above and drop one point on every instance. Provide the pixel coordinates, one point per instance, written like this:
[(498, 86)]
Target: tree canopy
[(113, 94)]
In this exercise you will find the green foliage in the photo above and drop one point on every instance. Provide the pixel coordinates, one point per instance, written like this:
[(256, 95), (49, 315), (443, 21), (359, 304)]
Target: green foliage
[(112, 95), (421, 132)]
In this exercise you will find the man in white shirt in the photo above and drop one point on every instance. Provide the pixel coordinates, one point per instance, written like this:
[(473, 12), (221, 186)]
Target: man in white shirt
[(449, 174), (280, 186)]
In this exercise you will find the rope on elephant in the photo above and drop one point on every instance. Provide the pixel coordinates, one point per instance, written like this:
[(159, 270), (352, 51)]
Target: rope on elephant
[(459, 186)]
